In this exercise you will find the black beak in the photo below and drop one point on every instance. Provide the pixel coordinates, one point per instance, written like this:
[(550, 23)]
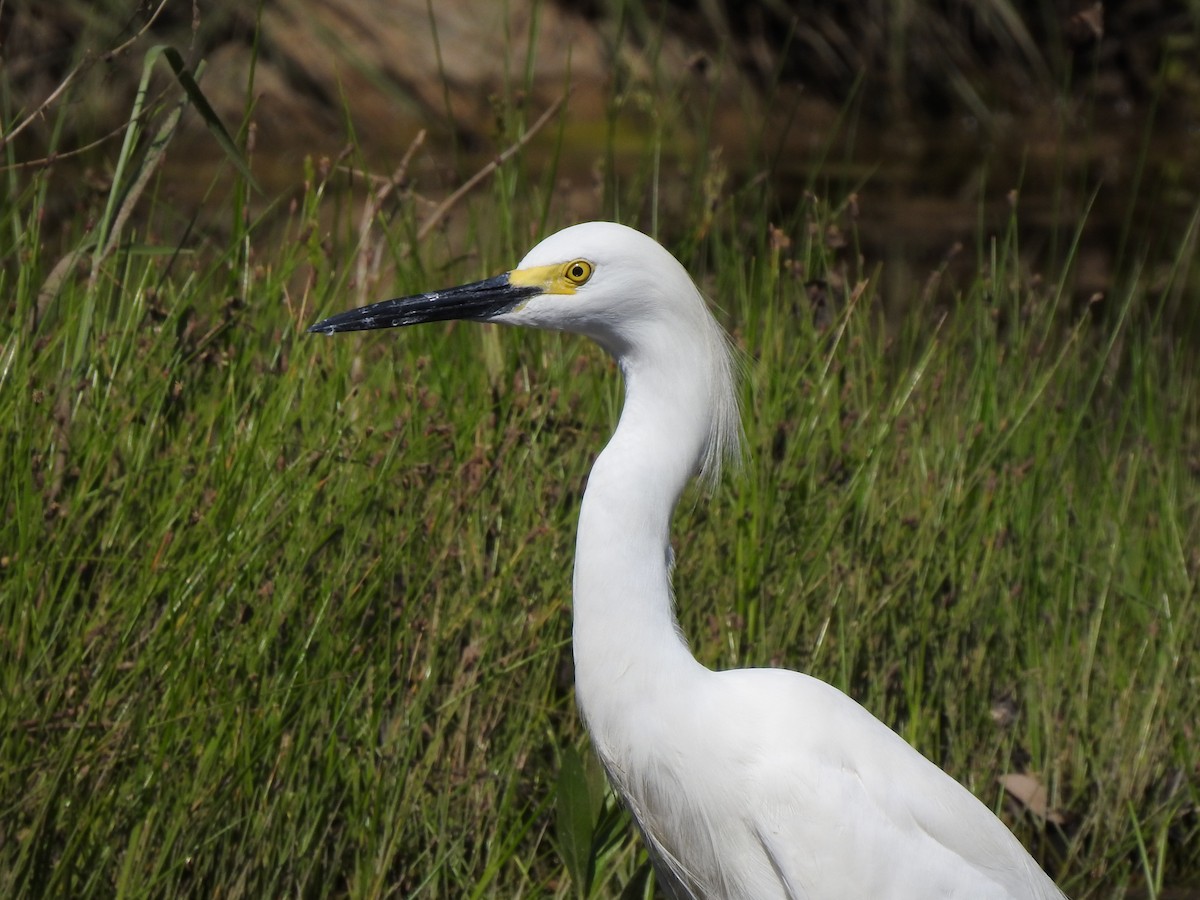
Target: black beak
[(479, 301)]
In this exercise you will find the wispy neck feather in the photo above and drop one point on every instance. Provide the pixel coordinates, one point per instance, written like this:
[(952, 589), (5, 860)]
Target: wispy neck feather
[(679, 366), (725, 436)]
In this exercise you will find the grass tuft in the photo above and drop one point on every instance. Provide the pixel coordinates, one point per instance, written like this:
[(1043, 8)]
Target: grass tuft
[(281, 615)]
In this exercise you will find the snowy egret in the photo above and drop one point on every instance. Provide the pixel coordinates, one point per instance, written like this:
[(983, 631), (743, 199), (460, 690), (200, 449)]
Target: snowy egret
[(746, 783)]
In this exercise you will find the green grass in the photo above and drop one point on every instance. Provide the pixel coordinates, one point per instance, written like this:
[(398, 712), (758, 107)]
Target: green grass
[(282, 615)]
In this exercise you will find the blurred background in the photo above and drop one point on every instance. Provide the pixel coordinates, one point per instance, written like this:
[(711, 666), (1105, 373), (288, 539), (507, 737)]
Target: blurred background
[(936, 117)]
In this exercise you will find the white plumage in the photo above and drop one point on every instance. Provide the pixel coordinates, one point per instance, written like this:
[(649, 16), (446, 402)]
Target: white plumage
[(749, 783)]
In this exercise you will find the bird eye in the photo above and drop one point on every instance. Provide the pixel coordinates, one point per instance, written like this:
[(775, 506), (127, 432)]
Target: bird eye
[(577, 272)]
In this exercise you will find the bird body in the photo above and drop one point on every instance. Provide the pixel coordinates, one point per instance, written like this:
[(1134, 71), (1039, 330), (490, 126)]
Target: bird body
[(766, 783), (746, 783)]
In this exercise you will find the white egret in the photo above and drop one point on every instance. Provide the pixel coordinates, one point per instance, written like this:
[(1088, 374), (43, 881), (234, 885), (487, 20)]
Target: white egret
[(747, 783)]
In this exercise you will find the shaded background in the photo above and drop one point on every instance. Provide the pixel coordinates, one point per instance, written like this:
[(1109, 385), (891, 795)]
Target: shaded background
[(931, 114)]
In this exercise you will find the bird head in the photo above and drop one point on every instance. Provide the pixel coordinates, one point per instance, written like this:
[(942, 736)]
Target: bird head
[(599, 279)]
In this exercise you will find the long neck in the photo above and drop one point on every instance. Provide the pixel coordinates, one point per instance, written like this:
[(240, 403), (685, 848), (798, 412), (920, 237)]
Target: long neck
[(626, 639)]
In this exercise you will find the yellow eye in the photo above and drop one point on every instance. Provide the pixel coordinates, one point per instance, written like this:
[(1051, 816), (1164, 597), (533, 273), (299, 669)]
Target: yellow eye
[(577, 272)]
